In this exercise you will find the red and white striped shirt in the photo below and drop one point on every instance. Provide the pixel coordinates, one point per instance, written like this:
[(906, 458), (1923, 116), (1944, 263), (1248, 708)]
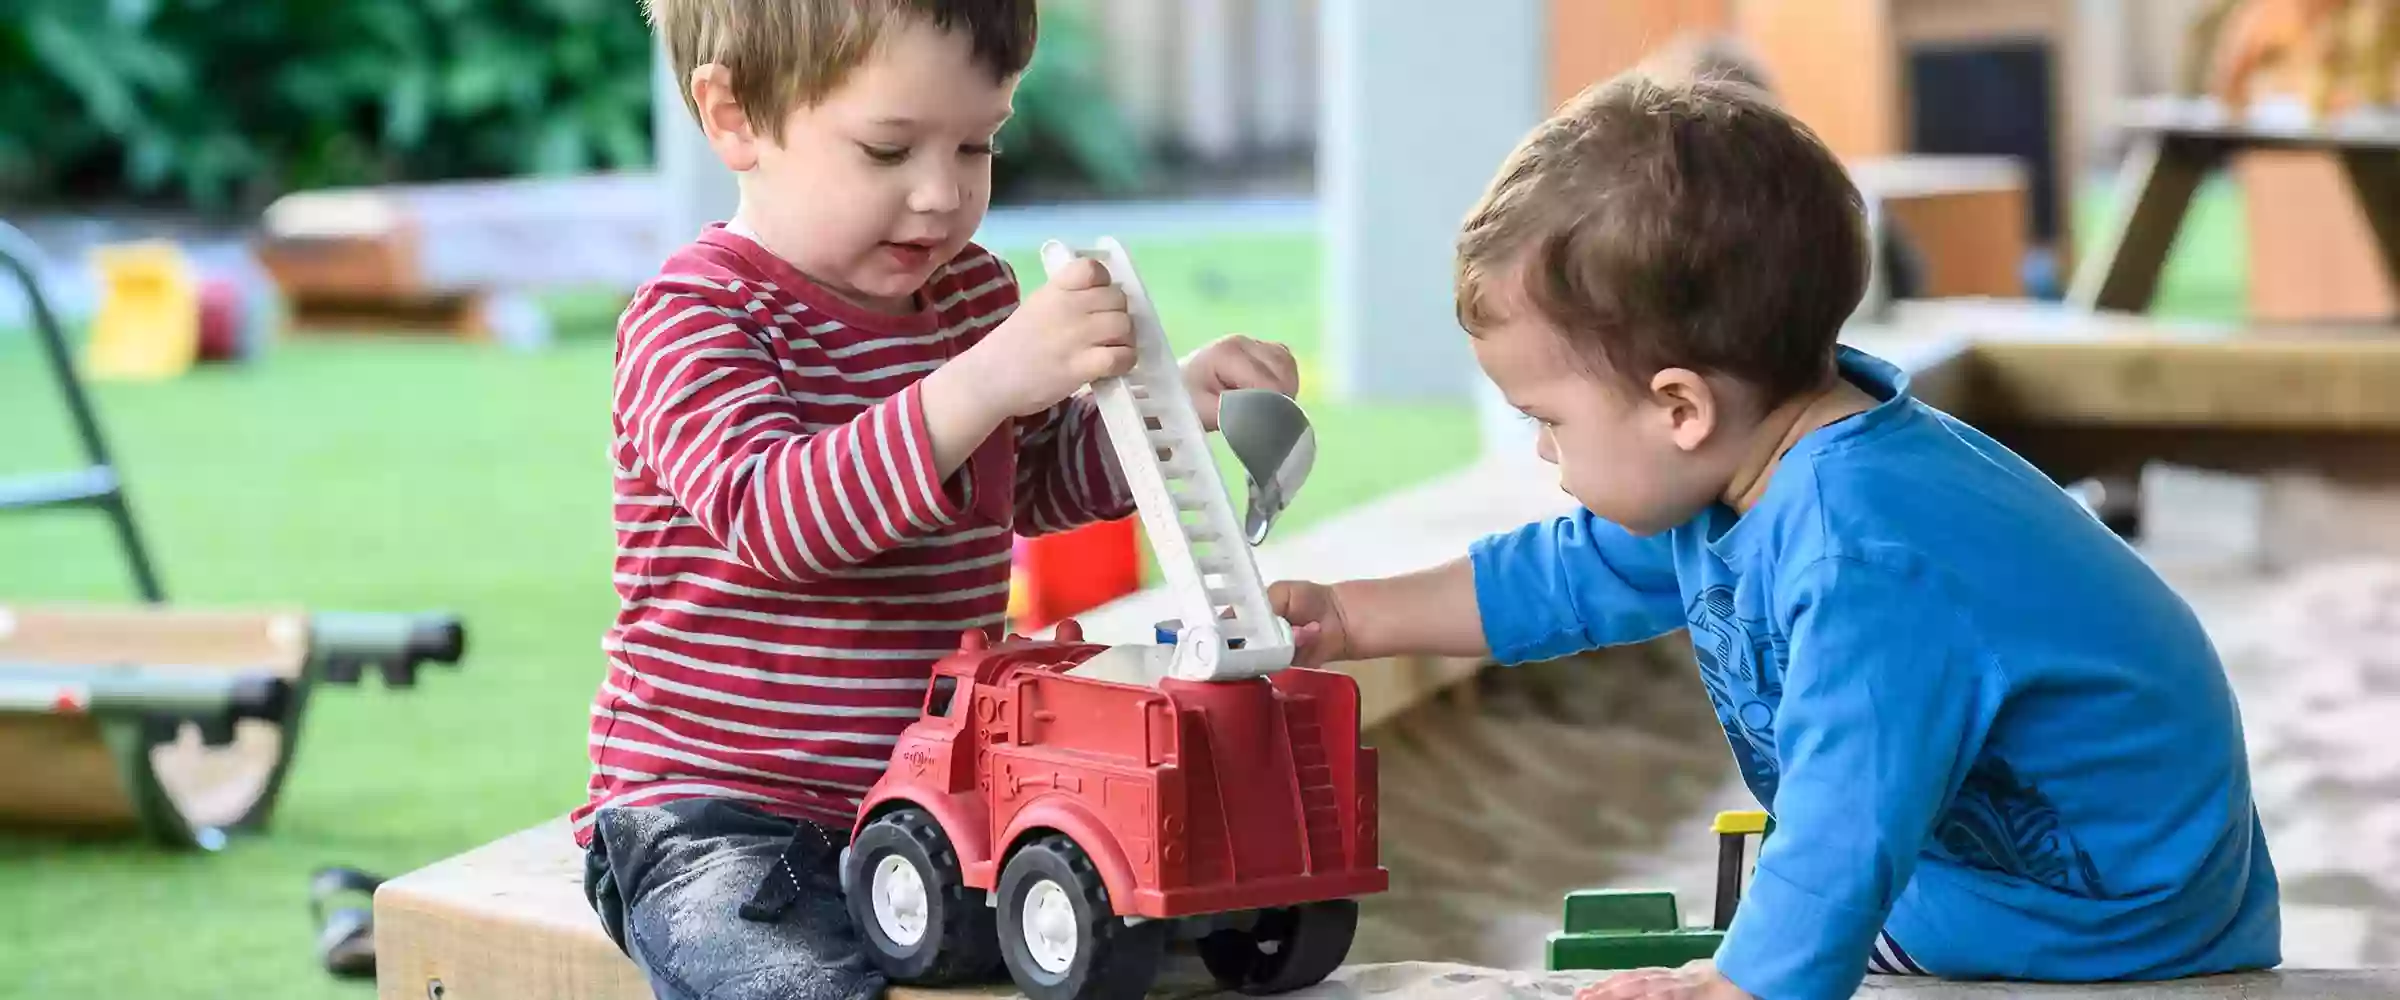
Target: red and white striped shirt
[(788, 565)]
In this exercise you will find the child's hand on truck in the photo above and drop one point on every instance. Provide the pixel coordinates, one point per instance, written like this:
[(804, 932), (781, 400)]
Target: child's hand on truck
[(1431, 612), (1697, 980)]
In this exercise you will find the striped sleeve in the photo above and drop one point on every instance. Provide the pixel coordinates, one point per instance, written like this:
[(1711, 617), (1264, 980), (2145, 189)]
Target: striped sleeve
[(703, 406), (1067, 472)]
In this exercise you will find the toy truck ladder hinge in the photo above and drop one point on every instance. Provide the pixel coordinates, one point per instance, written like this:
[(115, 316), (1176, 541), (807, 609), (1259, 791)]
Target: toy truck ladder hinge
[(1185, 509)]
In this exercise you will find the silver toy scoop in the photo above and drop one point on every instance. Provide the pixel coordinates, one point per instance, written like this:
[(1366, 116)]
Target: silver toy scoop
[(1271, 437)]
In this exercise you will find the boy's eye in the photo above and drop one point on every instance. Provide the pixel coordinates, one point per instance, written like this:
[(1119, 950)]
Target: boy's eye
[(884, 154), (980, 149)]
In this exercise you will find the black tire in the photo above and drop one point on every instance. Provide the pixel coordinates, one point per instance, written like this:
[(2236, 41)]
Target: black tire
[(954, 941), (1288, 948), (1110, 960)]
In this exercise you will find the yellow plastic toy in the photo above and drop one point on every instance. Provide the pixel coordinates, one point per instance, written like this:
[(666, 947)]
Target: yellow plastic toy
[(147, 325)]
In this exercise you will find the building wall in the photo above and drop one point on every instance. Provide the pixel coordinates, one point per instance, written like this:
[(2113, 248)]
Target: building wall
[(1218, 79)]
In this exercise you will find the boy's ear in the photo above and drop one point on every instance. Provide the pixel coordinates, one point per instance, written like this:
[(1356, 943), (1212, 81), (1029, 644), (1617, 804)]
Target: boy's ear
[(1688, 404), (722, 119)]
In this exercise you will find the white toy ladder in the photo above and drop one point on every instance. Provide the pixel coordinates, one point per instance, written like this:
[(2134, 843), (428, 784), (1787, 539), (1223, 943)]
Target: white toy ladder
[(1185, 509)]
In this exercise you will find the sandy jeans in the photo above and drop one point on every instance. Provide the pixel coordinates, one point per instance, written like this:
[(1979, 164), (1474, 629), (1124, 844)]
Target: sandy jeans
[(715, 900)]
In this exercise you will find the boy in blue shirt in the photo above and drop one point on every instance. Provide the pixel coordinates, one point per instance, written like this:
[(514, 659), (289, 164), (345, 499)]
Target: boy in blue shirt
[(1995, 743)]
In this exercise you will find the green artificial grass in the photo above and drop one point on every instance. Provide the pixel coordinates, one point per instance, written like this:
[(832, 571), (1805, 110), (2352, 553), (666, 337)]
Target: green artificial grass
[(398, 475), (389, 474), (2207, 274)]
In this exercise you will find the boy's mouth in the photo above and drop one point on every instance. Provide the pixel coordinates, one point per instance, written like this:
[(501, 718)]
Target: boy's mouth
[(911, 252)]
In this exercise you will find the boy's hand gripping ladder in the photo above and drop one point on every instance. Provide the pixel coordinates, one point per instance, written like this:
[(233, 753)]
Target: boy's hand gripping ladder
[(1185, 509)]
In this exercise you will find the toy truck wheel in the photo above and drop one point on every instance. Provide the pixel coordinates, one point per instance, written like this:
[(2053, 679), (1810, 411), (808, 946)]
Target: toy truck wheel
[(1060, 938), (1286, 949), (920, 922)]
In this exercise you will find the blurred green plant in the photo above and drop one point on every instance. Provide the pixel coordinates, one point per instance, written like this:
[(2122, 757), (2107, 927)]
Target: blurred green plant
[(224, 104), (220, 103), (1066, 122)]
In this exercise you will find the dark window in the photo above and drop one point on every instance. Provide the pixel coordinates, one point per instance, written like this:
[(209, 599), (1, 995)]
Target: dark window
[(1993, 99), (937, 701)]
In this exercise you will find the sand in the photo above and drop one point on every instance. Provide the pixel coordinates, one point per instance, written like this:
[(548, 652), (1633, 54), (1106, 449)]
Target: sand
[(1604, 770), (2316, 659), (1534, 781)]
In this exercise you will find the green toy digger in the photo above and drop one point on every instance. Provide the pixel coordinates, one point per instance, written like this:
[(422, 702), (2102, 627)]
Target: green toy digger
[(1639, 928)]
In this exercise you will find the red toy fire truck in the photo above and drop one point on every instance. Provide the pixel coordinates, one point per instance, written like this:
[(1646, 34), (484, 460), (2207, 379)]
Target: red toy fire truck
[(1066, 809)]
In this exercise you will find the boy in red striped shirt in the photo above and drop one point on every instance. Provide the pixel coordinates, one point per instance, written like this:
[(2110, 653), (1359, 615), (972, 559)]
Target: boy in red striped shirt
[(832, 414)]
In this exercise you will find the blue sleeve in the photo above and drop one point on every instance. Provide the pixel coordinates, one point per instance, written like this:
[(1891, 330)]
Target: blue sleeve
[(1573, 583), (1886, 702)]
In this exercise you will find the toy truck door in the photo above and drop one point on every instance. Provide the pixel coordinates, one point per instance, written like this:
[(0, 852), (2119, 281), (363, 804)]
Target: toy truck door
[(945, 710)]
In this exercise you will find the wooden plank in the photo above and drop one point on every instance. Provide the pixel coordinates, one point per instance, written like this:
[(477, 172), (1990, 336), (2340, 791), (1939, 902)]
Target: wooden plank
[(508, 921), (2312, 254), (2160, 176), (2068, 452), (274, 640), (61, 775), (2272, 123), (1965, 216), (2244, 384), (80, 783), (1972, 242), (74, 781), (454, 314)]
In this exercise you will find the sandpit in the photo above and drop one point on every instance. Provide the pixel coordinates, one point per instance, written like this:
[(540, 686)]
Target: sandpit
[(1532, 781), (1603, 770), (2316, 659)]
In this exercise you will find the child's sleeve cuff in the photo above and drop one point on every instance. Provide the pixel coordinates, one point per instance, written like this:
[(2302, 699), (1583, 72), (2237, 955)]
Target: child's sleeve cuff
[(1786, 944)]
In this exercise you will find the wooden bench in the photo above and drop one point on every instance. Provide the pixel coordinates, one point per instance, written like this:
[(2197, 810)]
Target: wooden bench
[(176, 723), (2175, 143), (508, 921)]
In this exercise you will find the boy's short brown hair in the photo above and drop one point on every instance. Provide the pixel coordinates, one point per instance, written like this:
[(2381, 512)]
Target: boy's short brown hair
[(1707, 56), (786, 54), (1657, 225)]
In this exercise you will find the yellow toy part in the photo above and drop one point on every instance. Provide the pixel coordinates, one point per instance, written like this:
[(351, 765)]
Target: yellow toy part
[(1741, 821), (147, 325)]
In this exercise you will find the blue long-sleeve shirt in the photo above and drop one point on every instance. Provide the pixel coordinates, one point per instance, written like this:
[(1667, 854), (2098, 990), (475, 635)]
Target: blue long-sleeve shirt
[(1981, 722)]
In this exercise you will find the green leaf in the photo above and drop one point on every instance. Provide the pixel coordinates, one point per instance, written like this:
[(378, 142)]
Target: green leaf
[(149, 161), (132, 13), (476, 80), (409, 105), (560, 149), (77, 60)]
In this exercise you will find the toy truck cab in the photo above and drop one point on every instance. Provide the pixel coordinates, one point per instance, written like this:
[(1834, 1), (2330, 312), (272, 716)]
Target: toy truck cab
[(1068, 826)]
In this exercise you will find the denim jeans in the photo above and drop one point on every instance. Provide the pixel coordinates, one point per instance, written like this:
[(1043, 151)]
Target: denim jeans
[(716, 900)]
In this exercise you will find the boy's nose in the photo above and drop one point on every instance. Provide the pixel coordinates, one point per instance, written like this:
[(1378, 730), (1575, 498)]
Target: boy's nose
[(937, 193)]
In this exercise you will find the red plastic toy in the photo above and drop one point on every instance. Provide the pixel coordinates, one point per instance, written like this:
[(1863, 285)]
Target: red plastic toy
[(1106, 818), (1065, 809)]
